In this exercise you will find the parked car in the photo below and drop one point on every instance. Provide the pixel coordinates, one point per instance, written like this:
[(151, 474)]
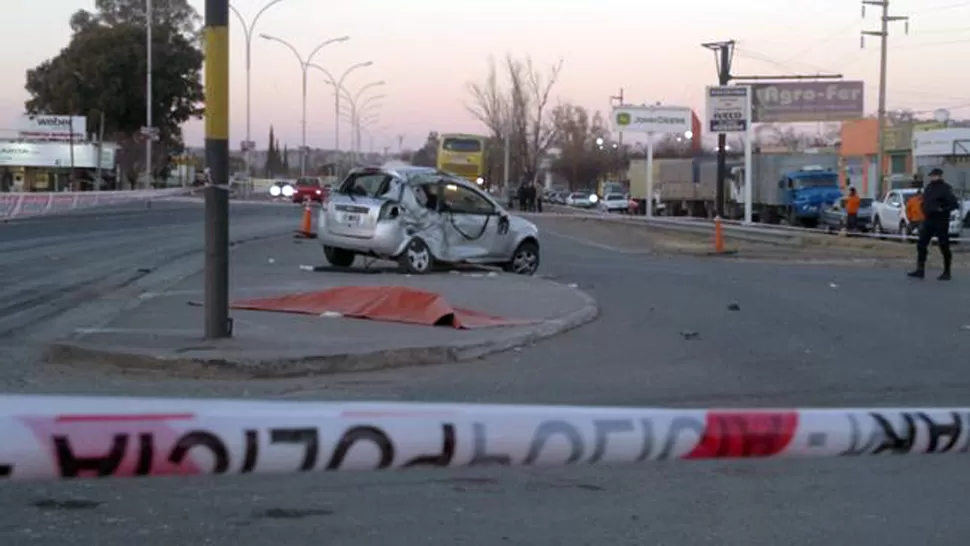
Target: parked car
[(834, 217), (579, 199), (889, 215), (613, 202), (419, 216)]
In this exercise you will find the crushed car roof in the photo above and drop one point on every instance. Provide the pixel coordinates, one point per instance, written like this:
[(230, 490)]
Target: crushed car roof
[(408, 172)]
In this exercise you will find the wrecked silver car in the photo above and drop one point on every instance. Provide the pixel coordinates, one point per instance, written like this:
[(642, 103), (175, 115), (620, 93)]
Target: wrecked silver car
[(418, 216)]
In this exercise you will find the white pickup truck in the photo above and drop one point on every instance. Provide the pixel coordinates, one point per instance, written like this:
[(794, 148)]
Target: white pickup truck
[(889, 215)]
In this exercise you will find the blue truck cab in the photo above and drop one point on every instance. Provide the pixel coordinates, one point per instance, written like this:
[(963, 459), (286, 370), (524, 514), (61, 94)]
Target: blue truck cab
[(805, 192)]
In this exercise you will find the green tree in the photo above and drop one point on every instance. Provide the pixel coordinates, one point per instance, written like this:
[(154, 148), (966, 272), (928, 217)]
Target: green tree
[(427, 156), (103, 69), (271, 167), (585, 151), (286, 159)]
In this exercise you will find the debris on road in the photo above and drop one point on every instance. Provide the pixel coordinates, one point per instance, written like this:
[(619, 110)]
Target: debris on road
[(689, 335), (734, 307)]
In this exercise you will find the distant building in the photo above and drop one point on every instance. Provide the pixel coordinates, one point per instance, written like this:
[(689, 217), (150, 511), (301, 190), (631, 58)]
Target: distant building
[(45, 152)]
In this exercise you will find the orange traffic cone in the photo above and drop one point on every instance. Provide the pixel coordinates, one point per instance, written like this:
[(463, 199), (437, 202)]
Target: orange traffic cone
[(718, 236), (306, 225)]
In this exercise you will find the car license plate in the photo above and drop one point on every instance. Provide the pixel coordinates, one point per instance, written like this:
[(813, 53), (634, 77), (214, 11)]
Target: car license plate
[(352, 218)]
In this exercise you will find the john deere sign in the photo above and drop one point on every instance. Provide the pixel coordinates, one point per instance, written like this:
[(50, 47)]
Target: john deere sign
[(652, 119)]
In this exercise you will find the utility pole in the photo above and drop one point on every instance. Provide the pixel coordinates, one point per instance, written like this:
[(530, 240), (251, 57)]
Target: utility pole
[(883, 34), (723, 56), (149, 23), (216, 300), (619, 102)]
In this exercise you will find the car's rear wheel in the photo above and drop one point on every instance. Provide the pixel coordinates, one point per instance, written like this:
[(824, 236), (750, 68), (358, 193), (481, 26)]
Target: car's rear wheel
[(339, 257), (525, 259), (416, 258)]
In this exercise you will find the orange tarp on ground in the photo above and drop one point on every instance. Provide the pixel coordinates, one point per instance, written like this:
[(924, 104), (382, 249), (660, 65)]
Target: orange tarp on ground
[(386, 303)]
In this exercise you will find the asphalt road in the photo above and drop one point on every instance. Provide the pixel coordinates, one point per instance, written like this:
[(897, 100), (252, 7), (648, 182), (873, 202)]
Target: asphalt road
[(51, 264), (804, 335)]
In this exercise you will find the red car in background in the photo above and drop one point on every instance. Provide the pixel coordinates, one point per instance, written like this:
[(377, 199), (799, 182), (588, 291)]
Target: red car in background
[(310, 188)]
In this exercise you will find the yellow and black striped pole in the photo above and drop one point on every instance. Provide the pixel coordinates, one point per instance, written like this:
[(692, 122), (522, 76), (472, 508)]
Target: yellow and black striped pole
[(217, 321)]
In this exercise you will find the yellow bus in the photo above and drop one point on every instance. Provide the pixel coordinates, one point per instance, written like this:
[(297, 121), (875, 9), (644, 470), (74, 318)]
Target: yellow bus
[(463, 155)]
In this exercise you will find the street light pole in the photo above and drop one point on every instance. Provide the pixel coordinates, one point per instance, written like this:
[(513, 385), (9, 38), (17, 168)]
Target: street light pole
[(359, 120), (336, 106), (358, 106), (248, 33), (149, 22), (304, 66)]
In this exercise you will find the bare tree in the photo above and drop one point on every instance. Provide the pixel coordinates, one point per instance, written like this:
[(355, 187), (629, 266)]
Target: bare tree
[(530, 92), (517, 108), (489, 102)]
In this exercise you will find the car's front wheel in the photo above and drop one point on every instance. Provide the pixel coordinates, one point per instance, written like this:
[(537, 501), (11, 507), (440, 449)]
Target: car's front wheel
[(525, 259), (416, 258), (339, 257)]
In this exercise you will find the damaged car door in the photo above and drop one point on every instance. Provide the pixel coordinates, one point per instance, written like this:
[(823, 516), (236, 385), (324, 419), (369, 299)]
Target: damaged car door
[(471, 224)]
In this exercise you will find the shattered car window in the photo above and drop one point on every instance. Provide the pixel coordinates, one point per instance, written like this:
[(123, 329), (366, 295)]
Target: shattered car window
[(460, 199), (366, 185)]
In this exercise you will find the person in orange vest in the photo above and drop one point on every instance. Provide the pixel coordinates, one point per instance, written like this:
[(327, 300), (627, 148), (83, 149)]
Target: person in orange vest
[(852, 204), (914, 208)]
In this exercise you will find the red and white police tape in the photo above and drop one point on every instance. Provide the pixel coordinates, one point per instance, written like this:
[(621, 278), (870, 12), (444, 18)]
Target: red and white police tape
[(23, 205), (50, 438)]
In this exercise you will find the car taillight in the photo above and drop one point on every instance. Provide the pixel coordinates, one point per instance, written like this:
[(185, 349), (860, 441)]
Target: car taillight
[(389, 211)]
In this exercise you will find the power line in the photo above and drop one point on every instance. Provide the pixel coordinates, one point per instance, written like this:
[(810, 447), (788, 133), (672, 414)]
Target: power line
[(934, 9), (756, 56), (930, 44), (821, 41)]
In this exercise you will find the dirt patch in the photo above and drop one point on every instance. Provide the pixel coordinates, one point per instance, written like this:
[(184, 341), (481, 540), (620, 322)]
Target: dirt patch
[(815, 248)]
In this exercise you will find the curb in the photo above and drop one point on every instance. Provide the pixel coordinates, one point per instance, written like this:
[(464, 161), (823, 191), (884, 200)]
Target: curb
[(302, 365)]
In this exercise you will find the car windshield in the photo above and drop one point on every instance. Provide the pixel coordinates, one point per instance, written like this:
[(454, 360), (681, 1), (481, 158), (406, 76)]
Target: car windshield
[(308, 181), (577, 195), (614, 197), (366, 184), (466, 145), (816, 181)]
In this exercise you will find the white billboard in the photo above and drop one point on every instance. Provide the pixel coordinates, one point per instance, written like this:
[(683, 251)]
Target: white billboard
[(652, 119), (939, 142), (728, 109), (55, 155), (50, 127)]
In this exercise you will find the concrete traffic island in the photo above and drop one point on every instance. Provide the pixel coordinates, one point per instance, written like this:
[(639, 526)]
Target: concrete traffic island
[(163, 334)]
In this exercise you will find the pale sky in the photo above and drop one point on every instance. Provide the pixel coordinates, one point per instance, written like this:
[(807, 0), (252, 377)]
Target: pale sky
[(429, 50)]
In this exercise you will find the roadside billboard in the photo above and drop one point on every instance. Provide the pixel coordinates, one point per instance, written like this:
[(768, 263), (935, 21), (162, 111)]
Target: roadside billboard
[(55, 155), (652, 119), (942, 142), (50, 127), (791, 102)]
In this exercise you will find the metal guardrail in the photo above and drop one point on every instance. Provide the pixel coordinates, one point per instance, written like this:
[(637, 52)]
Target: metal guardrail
[(768, 233), (754, 234), (30, 204)]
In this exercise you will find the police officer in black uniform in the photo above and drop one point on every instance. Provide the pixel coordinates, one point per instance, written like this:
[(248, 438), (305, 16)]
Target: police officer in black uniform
[(938, 202)]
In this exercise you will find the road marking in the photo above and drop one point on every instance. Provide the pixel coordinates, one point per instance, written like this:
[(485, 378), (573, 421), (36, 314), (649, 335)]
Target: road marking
[(148, 331), (601, 246)]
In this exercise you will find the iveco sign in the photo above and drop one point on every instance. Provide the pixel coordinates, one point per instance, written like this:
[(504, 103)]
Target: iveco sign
[(50, 127)]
